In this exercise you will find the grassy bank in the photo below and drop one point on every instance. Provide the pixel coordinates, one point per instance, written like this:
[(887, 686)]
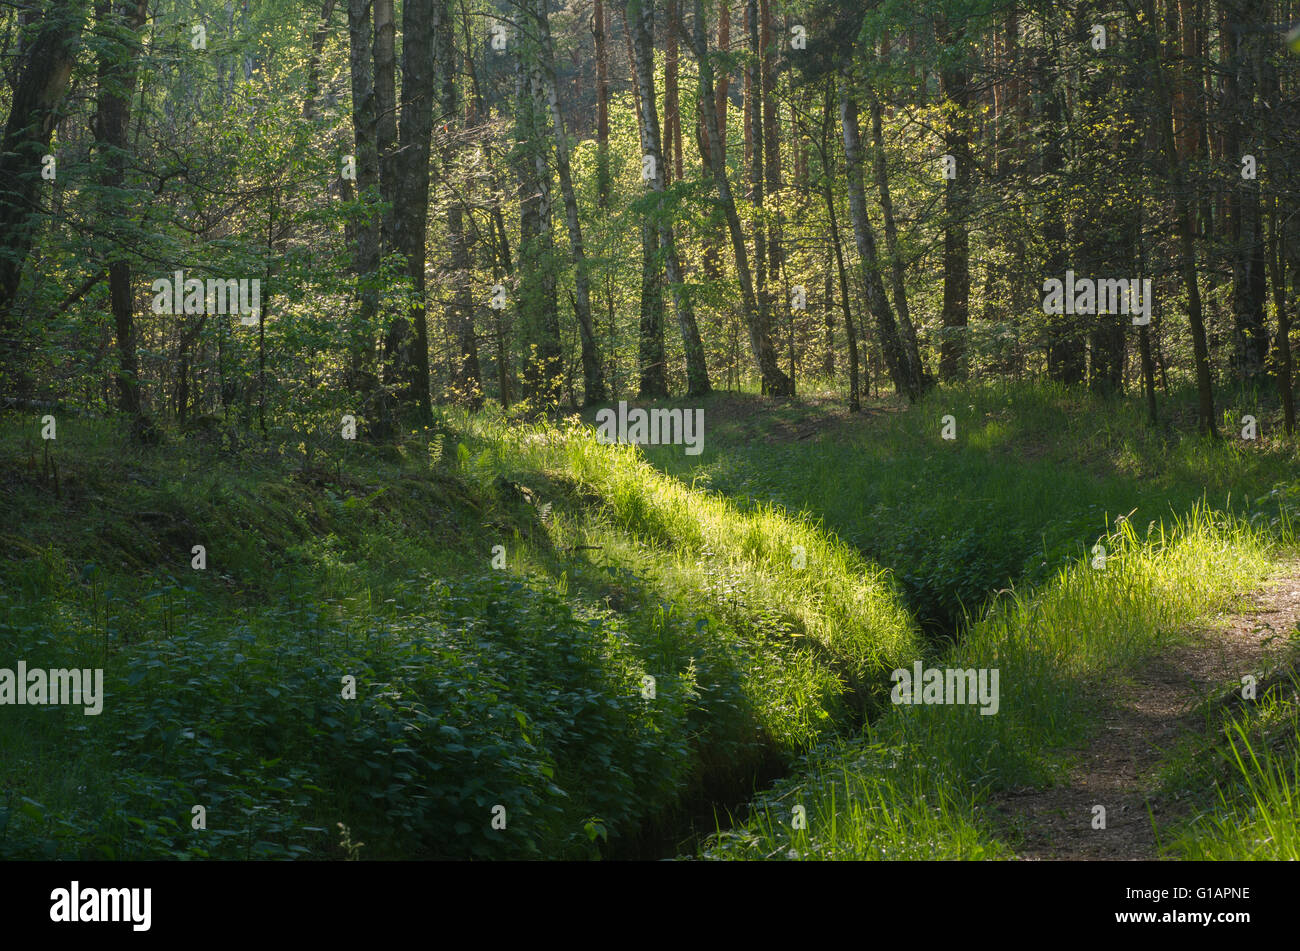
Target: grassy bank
[(918, 784), (568, 649), (493, 685), (1033, 479)]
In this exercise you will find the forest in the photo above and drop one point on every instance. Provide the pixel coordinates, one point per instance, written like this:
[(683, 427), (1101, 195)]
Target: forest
[(649, 429)]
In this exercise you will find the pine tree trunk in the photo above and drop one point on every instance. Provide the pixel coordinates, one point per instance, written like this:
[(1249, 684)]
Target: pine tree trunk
[(118, 24), (466, 374), (407, 342), (1185, 228), (600, 33), (955, 86), (904, 367), (897, 267), (774, 380), (697, 375), (537, 304), (593, 378), (1246, 232)]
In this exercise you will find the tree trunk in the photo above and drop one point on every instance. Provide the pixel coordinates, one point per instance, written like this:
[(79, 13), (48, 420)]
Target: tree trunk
[(1246, 233), (955, 85), (897, 267), (313, 63), (904, 364), (854, 404), (466, 374), (537, 305), (1185, 228), (754, 140), (772, 169), (1067, 355), (600, 33), (407, 344), (386, 113), (1284, 230), (774, 380), (43, 74), (593, 377), (724, 78), (672, 141), (118, 25), (365, 257), (697, 374)]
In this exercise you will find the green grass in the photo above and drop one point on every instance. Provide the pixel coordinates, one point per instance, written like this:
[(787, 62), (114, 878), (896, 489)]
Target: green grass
[(768, 590), (918, 782), (1035, 478), (1242, 779), (476, 687)]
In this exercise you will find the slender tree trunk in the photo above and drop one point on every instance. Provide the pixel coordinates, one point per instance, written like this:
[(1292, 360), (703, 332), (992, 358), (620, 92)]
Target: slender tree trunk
[(775, 381), (1185, 228), (407, 344), (313, 63), (897, 266), (1246, 232), (754, 140), (538, 308), (1067, 355), (904, 365), (1284, 231), (386, 113), (600, 33), (118, 25), (365, 258), (854, 404), (697, 375), (42, 73), (772, 170), (672, 140), (466, 374), (593, 377), (723, 78), (956, 242)]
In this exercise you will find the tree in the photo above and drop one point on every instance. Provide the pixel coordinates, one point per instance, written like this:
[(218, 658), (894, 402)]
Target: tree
[(1245, 221), (38, 92), (119, 24), (954, 84), (537, 304), (640, 16), (466, 375), (365, 232), (900, 349), (774, 381), (406, 346), (592, 373)]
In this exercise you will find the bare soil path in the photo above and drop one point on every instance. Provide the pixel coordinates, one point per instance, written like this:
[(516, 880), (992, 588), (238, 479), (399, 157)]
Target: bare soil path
[(1147, 713)]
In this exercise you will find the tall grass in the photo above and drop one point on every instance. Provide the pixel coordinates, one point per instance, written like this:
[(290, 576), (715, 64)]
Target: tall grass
[(918, 781), (1255, 810), (1035, 477), (707, 549)]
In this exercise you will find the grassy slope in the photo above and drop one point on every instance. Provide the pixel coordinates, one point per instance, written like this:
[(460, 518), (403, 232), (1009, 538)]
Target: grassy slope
[(916, 784), (1035, 478), (524, 687), (1016, 503)]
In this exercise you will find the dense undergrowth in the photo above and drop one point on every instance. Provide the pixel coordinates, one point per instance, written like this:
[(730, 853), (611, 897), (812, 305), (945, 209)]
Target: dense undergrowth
[(919, 783), (1033, 480), (567, 649), (519, 687)]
